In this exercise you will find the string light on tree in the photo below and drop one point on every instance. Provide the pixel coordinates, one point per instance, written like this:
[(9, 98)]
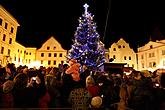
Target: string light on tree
[(87, 48)]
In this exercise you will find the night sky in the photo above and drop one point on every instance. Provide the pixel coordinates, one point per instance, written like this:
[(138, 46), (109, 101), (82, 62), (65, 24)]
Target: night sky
[(136, 21)]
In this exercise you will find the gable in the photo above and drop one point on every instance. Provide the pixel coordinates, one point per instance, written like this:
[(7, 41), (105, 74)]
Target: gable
[(53, 45)]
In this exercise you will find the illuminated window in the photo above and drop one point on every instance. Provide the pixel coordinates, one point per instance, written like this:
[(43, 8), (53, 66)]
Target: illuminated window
[(12, 30), (2, 50), (49, 62), (41, 61), (55, 54), (4, 37), (8, 52), (151, 46), (49, 55), (163, 52), (114, 57), (10, 41), (6, 25), (60, 55), (125, 58), (54, 62), (42, 54), (48, 48), (0, 21), (142, 57)]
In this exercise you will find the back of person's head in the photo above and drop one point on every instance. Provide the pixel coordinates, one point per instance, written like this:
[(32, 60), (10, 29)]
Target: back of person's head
[(162, 80), (20, 80), (8, 86)]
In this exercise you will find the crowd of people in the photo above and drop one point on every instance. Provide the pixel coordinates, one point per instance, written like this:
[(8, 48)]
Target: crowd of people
[(68, 88)]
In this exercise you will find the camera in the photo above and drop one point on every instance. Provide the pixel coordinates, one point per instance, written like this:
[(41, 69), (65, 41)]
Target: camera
[(33, 78)]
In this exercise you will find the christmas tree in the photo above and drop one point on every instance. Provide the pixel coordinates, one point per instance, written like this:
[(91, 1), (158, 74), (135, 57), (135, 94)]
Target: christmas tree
[(87, 48)]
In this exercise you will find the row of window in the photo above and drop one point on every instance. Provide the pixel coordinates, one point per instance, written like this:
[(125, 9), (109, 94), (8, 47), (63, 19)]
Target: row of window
[(152, 54), (125, 58), (4, 39), (50, 54), (6, 25), (51, 62), (3, 49), (119, 46), (48, 48)]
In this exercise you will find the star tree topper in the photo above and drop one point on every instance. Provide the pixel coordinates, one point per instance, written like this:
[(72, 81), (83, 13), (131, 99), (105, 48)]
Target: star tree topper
[(86, 8)]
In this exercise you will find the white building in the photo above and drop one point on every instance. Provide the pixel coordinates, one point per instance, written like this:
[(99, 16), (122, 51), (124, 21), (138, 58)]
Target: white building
[(8, 30), (51, 54), (152, 55), (122, 53)]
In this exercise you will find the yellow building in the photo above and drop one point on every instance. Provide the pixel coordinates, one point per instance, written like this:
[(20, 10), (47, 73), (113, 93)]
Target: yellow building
[(8, 30), (51, 54), (121, 52), (152, 55)]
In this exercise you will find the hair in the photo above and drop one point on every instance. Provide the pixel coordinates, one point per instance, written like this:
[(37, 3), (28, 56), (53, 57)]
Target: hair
[(21, 80)]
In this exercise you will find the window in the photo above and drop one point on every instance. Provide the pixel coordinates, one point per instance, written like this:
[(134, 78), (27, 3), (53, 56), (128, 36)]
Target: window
[(54, 48), (49, 62), (153, 54), (163, 52), (26, 60), (129, 57), (6, 25), (125, 58), (123, 46), (30, 53), (54, 62), (2, 50), (163, 62), (18, 59), (60, 54), (127, 65), (8, 52), (132, 65), (12, 30), (18, 50), (41, 61), (142, 65), (55, 54), (4, 37), (29, 60), (154, 64), (119, 46), (0, 21), (49, 55), (114, 49), (21, 51), (151, 46), (48, 48), (150, 64), (149, 55), (114, 57), (142, 57), (26, 53), (10, 41), (42, 54), (15, 58), (62, 62)]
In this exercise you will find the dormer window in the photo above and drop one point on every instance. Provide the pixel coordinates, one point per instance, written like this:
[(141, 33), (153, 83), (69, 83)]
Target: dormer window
[(48, 48), (119, 46), (151, 46)]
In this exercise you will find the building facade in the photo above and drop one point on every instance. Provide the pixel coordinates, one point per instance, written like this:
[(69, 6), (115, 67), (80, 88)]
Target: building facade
[(152, 55), (121, 52), (51, 54), (8, 30)]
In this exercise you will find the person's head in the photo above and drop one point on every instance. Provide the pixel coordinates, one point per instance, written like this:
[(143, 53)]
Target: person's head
[(8, 86), (96, 102), (90, 81), (136, 75), (20, 80)]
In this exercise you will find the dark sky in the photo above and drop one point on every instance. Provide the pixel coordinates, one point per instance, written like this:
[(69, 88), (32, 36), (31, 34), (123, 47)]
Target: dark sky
[(134, 20)]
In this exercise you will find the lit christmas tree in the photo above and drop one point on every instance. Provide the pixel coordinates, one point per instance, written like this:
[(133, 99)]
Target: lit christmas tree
[(87, 48)]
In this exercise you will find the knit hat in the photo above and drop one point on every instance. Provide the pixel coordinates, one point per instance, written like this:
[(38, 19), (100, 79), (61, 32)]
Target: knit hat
[(96, 102), (8, 86)]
